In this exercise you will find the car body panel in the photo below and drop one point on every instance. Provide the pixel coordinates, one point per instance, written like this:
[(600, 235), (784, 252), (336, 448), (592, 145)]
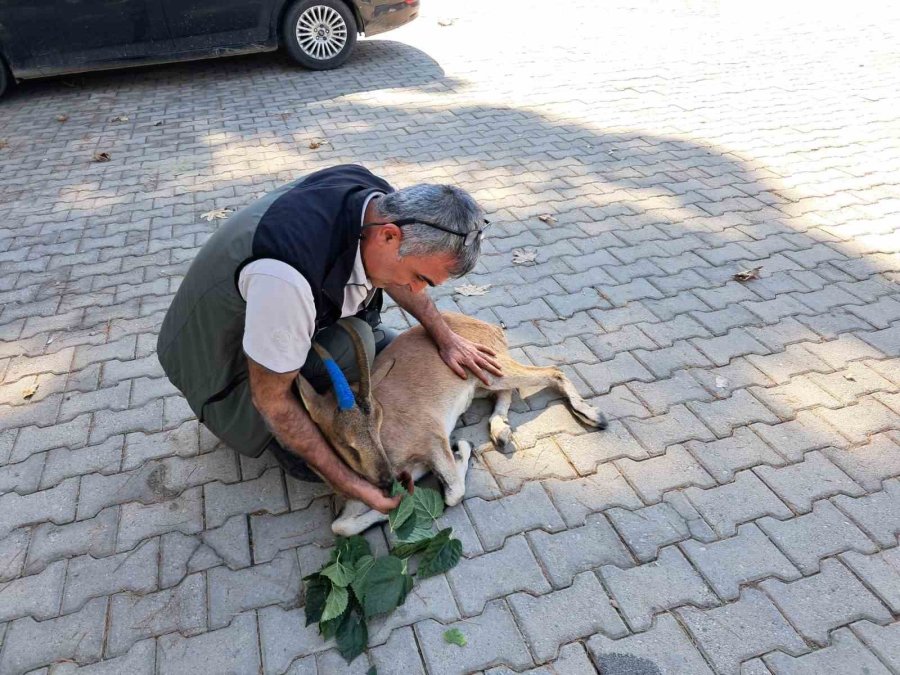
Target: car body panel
[(108, 34)]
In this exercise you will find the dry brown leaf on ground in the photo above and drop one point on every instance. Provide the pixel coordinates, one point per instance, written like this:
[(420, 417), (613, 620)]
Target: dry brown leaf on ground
[(3, 143), (62, 118), (445, 22), (119, 118), (215, 214), (101, 157), (317, 143), (30, 391), (524, 256), (747, 275), (547, 218), (471, 289)]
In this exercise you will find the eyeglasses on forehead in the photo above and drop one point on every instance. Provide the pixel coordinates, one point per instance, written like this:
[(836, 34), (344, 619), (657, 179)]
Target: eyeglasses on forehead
[(469, 237)]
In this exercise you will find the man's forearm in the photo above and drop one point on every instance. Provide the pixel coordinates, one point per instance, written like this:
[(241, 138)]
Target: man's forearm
[(423, 309)]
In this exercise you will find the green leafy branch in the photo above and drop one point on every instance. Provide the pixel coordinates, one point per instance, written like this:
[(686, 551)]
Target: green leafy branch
[(353, 586)]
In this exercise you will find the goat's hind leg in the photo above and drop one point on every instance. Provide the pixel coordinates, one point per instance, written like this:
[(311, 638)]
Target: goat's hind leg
[(518, 376), (501, 433)]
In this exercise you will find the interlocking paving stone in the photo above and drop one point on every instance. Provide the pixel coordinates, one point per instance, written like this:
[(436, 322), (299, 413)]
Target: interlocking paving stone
[(36, 596), (89, 577), (869, 464), (652, 477), (799, 485), (795, 438), (576, 499), (77, 636), (660, 395), (63, 463), (274, 533), (56, 505), (498, 519), (742, 450), (135, 617), (811, 537), (740, 631), (475, 581), (234, 591), (49, 542), (727, 506), (883, 640), (878, 514), (566, 553), (399, 655), (284, 637), (663, 649), (233, 649), (573, 660), (266, 493), (656, 586), (747, 557), (676, 426), (558, 617), (542, 460), (858, 422), (138, 522), (724, 415), (880, 572), (832, 598), (493, 639), (648, 529), (140, 660), (13, 549), (847, 654), (586, 451)]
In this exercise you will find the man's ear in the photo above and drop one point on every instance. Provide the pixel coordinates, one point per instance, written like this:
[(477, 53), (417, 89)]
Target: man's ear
[(381, 372)]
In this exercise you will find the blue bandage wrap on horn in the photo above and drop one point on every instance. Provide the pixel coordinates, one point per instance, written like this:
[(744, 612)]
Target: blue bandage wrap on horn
[(342, 390)]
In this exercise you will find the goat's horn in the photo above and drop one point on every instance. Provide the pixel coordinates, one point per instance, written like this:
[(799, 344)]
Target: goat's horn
[(339, 382), (362, 358)]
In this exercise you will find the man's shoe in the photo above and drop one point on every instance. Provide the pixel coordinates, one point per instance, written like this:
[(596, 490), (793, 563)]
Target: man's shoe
[(293, 466)]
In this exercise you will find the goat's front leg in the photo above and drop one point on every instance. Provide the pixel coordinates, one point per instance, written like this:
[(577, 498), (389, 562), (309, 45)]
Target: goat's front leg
[(452, 471), (356, 517)]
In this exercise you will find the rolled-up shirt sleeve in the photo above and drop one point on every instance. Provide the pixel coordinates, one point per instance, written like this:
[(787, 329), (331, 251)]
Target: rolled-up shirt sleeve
[(280, 319)]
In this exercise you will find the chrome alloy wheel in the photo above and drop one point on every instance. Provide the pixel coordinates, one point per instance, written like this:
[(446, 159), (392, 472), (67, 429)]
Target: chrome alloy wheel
[(321, 32)]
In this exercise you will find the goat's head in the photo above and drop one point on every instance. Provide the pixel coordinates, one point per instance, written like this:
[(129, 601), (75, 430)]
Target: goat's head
[(350, 420)]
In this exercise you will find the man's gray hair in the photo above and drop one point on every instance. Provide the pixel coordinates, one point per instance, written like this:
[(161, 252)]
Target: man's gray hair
[(443, 205)]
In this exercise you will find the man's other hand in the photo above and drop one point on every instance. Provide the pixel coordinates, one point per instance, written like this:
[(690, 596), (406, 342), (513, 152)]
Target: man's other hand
[(461, 354)]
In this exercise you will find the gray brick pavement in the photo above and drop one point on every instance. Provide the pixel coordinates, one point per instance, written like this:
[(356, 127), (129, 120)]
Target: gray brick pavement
[(748, 485)]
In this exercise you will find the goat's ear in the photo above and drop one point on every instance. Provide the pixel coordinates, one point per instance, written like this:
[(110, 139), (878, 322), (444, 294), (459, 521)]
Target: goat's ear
[(308, 395), (381, 372)]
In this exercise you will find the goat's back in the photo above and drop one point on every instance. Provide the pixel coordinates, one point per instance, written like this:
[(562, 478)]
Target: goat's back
[(420, 394)]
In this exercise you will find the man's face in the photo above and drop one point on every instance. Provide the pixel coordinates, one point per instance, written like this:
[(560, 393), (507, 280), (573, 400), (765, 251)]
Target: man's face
[(385, 267)]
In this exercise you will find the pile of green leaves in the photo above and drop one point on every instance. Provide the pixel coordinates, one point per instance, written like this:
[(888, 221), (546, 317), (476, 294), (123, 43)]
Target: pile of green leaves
[(353, 586)]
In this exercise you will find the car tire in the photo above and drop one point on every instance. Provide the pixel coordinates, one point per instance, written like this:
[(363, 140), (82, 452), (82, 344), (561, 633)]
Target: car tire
[(319, 34)]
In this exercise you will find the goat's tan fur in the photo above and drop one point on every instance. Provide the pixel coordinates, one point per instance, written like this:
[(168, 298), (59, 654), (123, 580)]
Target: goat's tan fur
[(421, 399)]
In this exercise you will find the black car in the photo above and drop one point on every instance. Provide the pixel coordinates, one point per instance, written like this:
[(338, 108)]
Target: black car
[(53, 37)]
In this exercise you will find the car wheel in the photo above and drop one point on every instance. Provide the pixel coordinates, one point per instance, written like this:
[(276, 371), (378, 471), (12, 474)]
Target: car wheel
[(319, 34)]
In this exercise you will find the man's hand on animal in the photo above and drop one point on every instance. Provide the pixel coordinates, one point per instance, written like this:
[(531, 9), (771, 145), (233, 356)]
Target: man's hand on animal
[(461, 354)]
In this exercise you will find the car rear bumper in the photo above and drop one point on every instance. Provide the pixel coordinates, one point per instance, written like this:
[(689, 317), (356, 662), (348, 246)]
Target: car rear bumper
[(384, 16)]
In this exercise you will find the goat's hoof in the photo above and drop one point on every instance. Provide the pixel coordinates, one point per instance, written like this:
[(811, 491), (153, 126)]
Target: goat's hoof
[(453, 497), (591, 416), (501, 435)]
